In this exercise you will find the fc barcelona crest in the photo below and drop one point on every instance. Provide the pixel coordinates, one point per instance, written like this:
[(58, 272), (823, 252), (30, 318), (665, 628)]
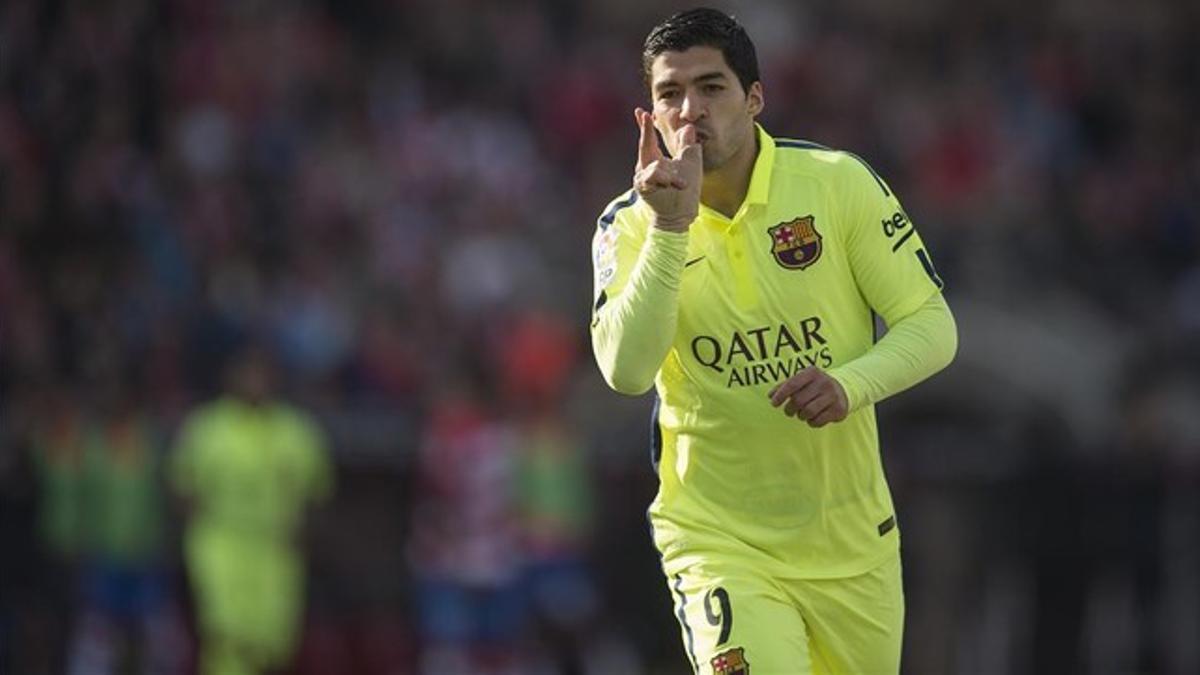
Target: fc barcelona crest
[(731, 662), (795, 244)]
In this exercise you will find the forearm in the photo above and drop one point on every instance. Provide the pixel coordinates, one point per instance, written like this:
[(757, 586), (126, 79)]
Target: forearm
[(632, 332), (915, 348)]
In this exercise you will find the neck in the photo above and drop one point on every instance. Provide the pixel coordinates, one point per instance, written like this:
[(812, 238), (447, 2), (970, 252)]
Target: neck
[(724, 188)]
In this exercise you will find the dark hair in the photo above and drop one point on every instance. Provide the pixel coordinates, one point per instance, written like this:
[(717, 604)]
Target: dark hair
[(704, 27)]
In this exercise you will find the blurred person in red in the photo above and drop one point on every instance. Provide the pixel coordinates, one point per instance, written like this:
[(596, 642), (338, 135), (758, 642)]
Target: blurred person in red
[(465, 546), (552, 491), (248, 465), (555, 503)]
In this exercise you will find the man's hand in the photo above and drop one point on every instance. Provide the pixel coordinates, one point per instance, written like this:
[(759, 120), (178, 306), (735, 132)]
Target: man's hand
[(813, 396), (671, 186)]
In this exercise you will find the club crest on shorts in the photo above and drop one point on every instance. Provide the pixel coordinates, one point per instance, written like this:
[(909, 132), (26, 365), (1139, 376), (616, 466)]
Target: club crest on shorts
[(795, 244), (731, 662)]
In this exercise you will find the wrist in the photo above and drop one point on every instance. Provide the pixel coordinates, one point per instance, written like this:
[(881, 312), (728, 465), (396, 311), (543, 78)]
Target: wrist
[(673, 223), (845, 380)]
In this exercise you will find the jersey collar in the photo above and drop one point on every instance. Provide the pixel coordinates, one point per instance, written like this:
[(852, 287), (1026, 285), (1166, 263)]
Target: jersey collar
[(760, 176)]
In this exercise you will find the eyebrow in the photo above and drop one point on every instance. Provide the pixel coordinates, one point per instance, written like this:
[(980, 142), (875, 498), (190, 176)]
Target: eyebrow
[(699, 79)]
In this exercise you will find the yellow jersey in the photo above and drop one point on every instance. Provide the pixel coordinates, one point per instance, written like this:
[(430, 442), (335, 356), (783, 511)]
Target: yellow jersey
[(252, 469), (719, 315)]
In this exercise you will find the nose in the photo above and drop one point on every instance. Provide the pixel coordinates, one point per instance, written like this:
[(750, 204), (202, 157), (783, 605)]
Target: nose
[(692, 109)]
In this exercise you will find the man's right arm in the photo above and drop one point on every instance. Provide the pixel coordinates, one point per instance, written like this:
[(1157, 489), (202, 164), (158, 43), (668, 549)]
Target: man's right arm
[(638, 264), (637, 274)]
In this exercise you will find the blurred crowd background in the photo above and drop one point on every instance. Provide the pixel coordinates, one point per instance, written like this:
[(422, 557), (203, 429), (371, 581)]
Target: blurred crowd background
[(372, 221)]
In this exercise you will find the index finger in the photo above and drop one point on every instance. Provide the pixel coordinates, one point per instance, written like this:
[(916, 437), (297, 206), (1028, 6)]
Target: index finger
[(648, 150), (792, 385)]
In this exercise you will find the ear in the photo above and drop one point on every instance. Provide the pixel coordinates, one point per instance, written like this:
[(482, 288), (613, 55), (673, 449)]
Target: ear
[(754, 99)]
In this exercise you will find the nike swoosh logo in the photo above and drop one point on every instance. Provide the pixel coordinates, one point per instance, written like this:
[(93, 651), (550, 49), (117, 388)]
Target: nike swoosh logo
[(693, 261)]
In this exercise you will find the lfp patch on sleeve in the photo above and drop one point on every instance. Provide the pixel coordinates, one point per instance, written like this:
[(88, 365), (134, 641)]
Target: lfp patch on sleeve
[(604, 259)]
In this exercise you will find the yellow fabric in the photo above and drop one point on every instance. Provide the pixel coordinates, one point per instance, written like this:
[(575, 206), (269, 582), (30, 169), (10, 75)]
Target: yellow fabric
[(919, 345), (251, 471), (627, 336), (851, 626), (249, 596), (715, 318)]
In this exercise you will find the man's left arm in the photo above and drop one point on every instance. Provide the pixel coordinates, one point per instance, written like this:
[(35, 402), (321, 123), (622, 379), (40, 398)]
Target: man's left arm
[(895, 274), (914, 348)]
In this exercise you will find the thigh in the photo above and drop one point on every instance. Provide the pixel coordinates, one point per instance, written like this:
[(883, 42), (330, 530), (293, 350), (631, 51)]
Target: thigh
[(246, 591), (734, 623), (213, 566), (856, 624), (278, 600)]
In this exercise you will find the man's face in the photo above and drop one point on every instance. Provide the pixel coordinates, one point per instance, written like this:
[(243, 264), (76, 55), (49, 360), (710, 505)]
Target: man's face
[(697, 87), (250, 377)]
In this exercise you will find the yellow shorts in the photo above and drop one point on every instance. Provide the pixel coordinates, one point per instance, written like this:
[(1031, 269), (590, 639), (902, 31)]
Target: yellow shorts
[(248, 589), (736, 622)]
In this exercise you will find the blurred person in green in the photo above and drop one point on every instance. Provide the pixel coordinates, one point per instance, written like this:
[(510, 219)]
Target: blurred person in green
[(247, 465), (58, 450), (555, 506), (126, 612), (56, 443)]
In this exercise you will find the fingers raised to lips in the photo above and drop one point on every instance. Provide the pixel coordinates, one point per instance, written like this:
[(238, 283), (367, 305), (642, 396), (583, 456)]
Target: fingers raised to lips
[(684, 136)]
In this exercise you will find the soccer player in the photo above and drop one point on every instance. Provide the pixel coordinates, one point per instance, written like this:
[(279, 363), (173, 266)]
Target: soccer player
[(249, 466), (740, 277)]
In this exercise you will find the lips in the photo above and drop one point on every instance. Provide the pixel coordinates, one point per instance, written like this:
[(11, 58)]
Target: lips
[(702, 136)]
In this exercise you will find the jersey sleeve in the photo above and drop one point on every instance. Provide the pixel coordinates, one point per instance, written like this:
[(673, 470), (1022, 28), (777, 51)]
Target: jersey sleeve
[(890, 263), (637, 270), (914, 348), (615, 247), (895, 275)]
